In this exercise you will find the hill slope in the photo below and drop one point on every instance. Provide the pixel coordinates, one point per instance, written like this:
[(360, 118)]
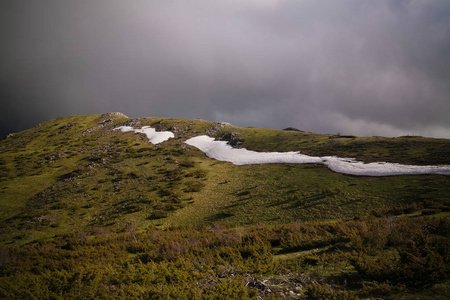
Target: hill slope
[(87, 211), (76, 173)]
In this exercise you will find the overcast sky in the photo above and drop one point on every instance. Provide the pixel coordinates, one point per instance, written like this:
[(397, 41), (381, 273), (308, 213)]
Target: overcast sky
[(360, 67)]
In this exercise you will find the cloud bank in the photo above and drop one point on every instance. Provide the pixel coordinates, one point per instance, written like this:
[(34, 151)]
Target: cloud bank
[(352, 66)]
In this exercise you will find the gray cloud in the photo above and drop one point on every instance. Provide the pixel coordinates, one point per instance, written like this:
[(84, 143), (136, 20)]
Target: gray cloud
[(349, 66)]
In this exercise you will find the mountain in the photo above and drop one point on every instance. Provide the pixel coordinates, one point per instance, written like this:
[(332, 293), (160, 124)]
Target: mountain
[(80, 178)]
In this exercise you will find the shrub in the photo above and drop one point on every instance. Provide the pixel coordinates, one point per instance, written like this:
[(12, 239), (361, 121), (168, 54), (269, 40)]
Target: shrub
[(430, 211), (325, 292), (311, 260), (383, 289)]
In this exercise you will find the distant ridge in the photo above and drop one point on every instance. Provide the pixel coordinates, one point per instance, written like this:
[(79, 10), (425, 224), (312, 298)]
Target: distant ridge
[(292, 129)]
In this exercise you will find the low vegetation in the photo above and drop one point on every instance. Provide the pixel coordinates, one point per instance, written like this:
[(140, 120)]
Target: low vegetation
[(389, 257), (89, 212)]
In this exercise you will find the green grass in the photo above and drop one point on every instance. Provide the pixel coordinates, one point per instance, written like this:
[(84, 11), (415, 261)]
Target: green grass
[(57, 179), (76, 173), (282, 193), (406, 150), (164, 218)]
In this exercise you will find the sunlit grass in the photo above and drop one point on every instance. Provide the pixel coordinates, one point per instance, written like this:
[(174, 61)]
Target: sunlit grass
[(76, 173)]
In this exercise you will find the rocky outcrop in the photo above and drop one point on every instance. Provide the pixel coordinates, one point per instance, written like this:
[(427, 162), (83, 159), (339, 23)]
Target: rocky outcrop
[(111, 115), (216, 128), (233, 139), (135, 123), (105, 120)]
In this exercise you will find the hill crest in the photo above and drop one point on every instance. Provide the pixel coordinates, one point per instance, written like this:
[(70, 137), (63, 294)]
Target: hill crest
[(77, 173)]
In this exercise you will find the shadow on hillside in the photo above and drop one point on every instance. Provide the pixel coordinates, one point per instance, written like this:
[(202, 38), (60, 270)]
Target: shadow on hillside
[(296, 201), (218, 217)]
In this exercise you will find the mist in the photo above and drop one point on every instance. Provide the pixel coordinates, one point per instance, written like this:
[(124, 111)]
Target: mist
[(355, 67)]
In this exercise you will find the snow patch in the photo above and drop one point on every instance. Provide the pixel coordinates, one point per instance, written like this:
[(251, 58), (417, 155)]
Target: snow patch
[(154, 137), (220, 150)]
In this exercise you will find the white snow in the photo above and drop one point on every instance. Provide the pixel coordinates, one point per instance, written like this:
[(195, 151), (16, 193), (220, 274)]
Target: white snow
[(354, 167), (220, 150), (154, 137)]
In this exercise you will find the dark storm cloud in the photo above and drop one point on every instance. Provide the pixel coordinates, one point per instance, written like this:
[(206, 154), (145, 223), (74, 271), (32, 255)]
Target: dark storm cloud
[(350, 66)]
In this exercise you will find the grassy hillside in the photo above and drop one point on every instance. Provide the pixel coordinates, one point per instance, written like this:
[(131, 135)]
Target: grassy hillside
[(76, 177), (415, 150), (76, 173)]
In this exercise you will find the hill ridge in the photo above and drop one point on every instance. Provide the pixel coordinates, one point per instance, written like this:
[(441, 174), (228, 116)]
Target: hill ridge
[(90, 211), (78, 172), (224, 151)]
